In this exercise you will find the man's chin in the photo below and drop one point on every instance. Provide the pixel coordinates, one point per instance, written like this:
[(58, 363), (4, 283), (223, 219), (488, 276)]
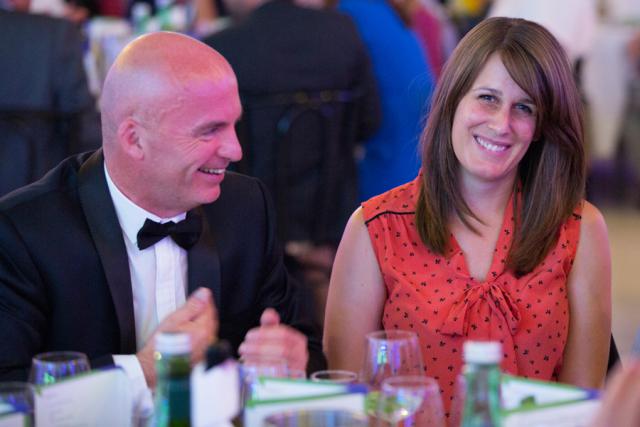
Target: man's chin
[(210, 196)]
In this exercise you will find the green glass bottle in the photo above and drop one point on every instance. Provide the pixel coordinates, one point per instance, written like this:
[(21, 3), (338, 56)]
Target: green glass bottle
[(173, 371), (482, 375)]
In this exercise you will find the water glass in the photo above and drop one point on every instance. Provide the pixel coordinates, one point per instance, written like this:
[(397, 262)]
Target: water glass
[(16, 397), (315, 418), (412, 400), (297, 374), (253, 367), (390, 353), (48, 368), (335, 376)]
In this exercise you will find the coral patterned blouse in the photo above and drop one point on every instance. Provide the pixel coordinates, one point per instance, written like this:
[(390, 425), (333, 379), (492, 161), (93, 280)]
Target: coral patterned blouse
[(436, 297)]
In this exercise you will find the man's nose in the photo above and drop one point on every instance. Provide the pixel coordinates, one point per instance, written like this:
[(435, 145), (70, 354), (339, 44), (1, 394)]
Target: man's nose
[(230, 148)]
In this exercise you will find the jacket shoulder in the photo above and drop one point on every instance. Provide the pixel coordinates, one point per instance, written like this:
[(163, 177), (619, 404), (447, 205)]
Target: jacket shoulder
[(62, 179)]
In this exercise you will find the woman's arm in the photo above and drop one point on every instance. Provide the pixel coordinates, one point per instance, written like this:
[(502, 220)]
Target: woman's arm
[(589, 290), (356, 297)]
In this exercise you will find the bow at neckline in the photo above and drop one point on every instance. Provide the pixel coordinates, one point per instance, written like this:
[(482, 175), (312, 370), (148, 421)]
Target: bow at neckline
[(501, 305)]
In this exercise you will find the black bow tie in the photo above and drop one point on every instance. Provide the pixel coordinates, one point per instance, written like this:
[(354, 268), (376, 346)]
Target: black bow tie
[(185, 233)]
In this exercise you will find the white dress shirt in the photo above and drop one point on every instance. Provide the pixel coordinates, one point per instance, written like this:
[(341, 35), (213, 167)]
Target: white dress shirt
[(158, 284)]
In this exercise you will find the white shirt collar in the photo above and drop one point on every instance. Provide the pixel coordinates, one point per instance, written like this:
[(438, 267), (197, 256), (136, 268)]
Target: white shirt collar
[(130, 215)]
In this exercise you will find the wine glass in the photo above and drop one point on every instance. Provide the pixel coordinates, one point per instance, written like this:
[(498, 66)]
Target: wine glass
[(390, 353), (457, 401), (48, 368), (335, 376), (413, 400)]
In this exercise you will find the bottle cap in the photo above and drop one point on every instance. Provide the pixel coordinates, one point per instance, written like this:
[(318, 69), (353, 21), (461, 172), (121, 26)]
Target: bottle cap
[(173, 343), (482, 352)]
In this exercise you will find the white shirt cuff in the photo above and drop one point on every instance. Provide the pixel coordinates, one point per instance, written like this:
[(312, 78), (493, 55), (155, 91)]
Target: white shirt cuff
[(142, 397)]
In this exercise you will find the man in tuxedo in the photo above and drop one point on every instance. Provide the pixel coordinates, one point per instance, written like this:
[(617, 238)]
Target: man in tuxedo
[(100, 254)]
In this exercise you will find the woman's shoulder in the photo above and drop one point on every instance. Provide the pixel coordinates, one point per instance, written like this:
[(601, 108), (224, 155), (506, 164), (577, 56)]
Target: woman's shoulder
[(400, 200), (585, 214), (591, 221), (584, 227)]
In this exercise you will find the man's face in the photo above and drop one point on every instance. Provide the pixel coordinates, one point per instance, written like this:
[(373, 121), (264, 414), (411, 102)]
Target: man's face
[(188, 145)]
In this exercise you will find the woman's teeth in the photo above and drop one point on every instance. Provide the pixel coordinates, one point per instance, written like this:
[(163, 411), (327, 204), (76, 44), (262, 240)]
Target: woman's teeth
[(489, 146)]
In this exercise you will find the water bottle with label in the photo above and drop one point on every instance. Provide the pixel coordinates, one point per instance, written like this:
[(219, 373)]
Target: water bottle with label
[(482, 374)]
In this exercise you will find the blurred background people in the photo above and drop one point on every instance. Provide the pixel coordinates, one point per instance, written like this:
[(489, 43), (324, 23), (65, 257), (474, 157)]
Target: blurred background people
[(309, 97), (426, 18), (405, 81), (467, 13), (46, 110), (612, 89), (572, 22)]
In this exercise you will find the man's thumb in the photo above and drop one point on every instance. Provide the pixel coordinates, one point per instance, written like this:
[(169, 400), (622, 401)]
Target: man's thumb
[(269, 317)]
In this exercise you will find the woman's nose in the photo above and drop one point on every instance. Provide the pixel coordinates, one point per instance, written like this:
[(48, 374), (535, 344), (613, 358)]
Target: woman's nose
[(500, 121)]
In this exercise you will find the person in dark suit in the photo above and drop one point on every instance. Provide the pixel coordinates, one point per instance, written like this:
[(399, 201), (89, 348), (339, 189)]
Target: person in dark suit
[(77, 270), (46, 110), (309, 98)]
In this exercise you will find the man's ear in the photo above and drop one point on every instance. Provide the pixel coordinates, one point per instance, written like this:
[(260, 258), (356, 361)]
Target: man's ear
[(129, 138)]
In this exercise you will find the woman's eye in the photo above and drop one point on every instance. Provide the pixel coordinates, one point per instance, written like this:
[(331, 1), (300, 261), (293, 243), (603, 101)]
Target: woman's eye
[(487, 97), (524, 108)]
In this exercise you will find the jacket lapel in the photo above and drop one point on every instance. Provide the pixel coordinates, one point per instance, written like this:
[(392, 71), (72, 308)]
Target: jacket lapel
[(204, 262), (107, 236)]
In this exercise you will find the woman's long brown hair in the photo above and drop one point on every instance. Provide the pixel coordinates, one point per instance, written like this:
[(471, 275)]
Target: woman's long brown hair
[(552, 172)]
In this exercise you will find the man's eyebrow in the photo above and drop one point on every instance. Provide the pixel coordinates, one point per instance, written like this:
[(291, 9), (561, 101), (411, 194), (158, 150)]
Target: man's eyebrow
[(207, 126)]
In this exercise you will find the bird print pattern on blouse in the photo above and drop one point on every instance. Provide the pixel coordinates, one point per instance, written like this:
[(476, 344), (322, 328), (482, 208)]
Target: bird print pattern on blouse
[(435, 296)]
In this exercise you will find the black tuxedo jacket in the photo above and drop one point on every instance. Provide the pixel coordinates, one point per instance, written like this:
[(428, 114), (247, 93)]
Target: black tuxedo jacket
[(64, 274)]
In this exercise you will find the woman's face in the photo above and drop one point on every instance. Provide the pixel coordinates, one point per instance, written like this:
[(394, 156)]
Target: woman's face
[(493, 126)]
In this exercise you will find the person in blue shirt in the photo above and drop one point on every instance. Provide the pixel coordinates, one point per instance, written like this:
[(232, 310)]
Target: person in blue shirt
[(405, 82)]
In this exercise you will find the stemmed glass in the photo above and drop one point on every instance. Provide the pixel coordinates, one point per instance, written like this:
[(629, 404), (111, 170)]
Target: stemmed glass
[(390, 353), (48, 368), (413, 399), (457, 401)]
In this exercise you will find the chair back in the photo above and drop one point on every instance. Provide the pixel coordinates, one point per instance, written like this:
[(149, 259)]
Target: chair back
[(301, 144), (31, 143)]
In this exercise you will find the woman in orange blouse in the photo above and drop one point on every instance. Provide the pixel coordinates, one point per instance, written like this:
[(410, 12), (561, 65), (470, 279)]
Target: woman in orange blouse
[(493, 240)]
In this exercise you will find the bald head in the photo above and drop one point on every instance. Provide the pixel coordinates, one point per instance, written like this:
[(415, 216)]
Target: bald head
[(169, 108), (150, 75)]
